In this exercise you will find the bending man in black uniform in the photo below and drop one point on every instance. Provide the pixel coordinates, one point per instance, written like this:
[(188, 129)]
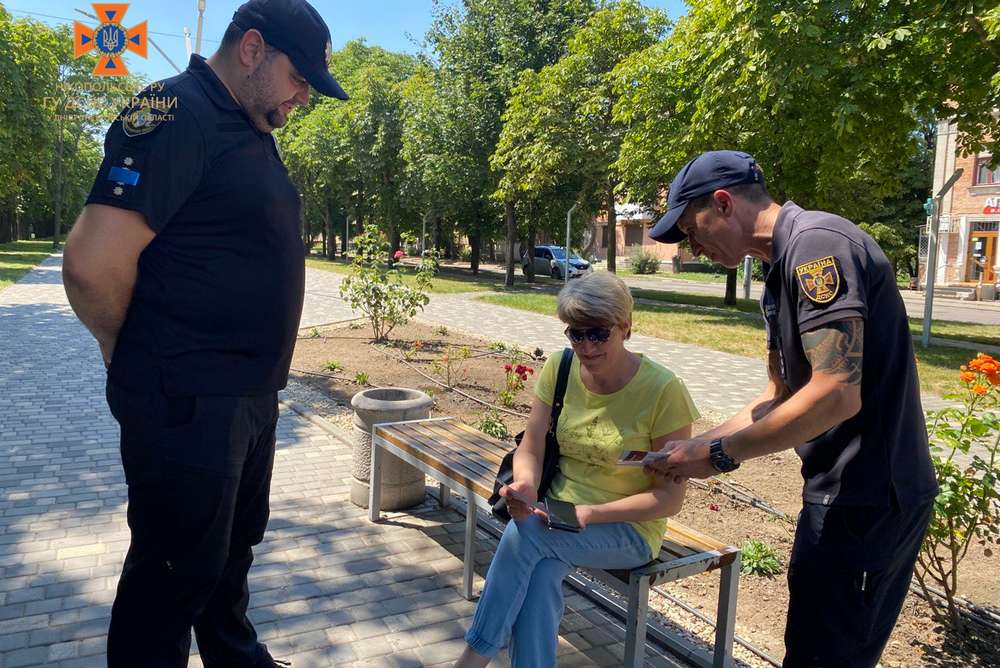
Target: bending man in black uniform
[(187, 267), (843, 392)]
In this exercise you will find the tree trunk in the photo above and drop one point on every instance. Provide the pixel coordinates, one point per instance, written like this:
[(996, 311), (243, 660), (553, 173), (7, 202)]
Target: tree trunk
[(612, 226), (731, 286), (529, 252), (437, 235), (475, 240), (329, 241), (508, 208)]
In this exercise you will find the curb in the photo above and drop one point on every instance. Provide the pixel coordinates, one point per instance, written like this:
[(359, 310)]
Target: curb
[(313, 417)]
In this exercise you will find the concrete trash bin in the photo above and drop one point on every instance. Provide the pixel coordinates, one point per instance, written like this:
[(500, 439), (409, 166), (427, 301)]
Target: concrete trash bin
[(402, 484)]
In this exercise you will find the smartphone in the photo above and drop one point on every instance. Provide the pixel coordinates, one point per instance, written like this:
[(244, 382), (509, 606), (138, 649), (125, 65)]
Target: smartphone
[(633, 458), (562, 515)]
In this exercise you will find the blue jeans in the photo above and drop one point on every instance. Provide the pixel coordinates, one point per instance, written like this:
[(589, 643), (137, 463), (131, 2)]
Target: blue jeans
[(522, 599)]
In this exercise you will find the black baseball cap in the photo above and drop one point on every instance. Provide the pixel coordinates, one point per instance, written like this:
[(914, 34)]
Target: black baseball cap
[(703, 175), (296, 29)]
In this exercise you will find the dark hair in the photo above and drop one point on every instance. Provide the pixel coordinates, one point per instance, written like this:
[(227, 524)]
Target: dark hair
[(231, 37), (752, 192)]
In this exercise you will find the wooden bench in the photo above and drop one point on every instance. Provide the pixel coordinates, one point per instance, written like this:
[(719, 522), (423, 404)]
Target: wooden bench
[(463, 460)]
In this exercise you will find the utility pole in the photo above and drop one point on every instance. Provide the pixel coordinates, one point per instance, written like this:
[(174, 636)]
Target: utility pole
[(932, 242), (747, 271), (197, 38)]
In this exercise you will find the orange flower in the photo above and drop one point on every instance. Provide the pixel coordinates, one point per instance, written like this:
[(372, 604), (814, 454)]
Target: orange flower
[(967, 376), (994, 378), (979, 389)]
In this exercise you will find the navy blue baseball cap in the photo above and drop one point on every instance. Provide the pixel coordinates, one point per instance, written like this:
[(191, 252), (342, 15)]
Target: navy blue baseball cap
[(705, 174), (296, 29)]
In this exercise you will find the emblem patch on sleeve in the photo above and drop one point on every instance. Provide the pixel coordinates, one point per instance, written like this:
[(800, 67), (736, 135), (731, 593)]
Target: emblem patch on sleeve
[(819, 279), (145, 116)]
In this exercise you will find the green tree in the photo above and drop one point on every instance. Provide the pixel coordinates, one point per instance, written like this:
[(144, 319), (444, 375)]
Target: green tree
[(828, 96), (560, 125), (345, 157), (482, 46)]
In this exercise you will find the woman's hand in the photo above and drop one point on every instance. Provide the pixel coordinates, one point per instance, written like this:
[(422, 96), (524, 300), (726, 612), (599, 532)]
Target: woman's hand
[(584, 515), (521, 499)]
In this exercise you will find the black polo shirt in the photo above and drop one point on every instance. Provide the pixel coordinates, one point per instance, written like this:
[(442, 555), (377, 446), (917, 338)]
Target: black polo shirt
[(826, 269), (219, 291)]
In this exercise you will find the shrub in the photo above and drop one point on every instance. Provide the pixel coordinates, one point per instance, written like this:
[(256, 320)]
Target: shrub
[(759, 558), (967, 507), (492, 425), (361, 378), (333, 365), (450, 366), (441, 330), (378, 291), (644, 262)]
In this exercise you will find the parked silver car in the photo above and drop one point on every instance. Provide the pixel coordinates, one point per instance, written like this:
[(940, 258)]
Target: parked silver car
[(551, 261)]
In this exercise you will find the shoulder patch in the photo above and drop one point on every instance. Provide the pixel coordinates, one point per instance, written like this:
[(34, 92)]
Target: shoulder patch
[(145, 115), (819, 279)]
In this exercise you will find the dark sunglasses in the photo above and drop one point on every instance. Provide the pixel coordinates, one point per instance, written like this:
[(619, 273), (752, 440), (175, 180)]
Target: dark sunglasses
[(592, 334)]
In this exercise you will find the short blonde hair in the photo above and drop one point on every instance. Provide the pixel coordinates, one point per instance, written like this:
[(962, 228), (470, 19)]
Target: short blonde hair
[(599, 298)]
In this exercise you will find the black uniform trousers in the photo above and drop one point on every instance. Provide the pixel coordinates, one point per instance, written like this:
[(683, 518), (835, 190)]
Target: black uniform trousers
[(198, 470), (848, 575)]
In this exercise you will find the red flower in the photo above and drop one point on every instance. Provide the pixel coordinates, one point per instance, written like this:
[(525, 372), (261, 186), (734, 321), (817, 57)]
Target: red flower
[(506, 367), (713, 506), (398, 254)]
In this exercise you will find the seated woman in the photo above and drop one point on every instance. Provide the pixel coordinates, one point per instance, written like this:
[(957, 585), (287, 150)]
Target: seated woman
[(615, 401)]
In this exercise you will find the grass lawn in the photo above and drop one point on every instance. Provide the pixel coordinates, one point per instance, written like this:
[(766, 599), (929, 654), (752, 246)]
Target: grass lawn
[(961, 331), (17, 258), (733, 333), (442, 283), (695, 276)]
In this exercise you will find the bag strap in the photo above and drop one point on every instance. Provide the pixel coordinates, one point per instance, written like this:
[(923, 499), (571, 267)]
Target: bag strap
[(561, 381)]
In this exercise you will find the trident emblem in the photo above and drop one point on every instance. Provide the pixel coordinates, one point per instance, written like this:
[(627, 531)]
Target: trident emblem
[(110, 38)]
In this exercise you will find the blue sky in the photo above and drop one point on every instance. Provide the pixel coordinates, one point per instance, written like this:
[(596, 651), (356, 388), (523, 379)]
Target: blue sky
[(398, 25)]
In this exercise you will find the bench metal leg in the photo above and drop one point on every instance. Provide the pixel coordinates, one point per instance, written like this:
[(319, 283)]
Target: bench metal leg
[(635, 625), (470, 544), (444, 495), (375, 483), (725, 623)]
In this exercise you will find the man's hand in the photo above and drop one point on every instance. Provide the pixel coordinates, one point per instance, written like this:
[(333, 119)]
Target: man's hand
[(681, 460)]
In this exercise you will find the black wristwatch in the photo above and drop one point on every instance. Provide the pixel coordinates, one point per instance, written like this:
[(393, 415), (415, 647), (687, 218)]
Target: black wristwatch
[(721, 462)]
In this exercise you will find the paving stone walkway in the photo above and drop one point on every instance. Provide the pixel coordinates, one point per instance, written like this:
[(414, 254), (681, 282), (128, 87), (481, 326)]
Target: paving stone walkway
[(328, 587)]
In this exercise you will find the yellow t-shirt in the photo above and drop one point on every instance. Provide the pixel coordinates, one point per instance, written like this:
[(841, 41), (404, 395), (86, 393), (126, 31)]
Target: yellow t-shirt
[(595, 429)]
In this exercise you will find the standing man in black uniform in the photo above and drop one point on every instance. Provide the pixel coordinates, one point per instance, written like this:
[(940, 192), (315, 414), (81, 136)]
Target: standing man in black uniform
[(843, 392), (187, 266)]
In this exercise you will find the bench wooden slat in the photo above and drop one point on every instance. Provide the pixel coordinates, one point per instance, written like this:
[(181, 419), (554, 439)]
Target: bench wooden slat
[(471, 465), (482, 449), (432, 459), (464, 437)]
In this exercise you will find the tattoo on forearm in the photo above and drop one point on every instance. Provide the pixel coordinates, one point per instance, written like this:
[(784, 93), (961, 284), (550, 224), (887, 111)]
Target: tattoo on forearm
[(837, 348)]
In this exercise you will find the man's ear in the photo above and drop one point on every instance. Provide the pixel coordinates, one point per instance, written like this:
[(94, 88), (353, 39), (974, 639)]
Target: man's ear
[(252, 49), (723, 202)]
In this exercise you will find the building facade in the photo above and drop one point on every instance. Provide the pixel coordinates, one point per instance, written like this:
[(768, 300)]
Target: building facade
[(970, 217), (632, 226)]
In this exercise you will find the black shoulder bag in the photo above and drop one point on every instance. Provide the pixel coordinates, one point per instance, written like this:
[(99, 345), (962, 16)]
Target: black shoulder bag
[(550, 463)]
